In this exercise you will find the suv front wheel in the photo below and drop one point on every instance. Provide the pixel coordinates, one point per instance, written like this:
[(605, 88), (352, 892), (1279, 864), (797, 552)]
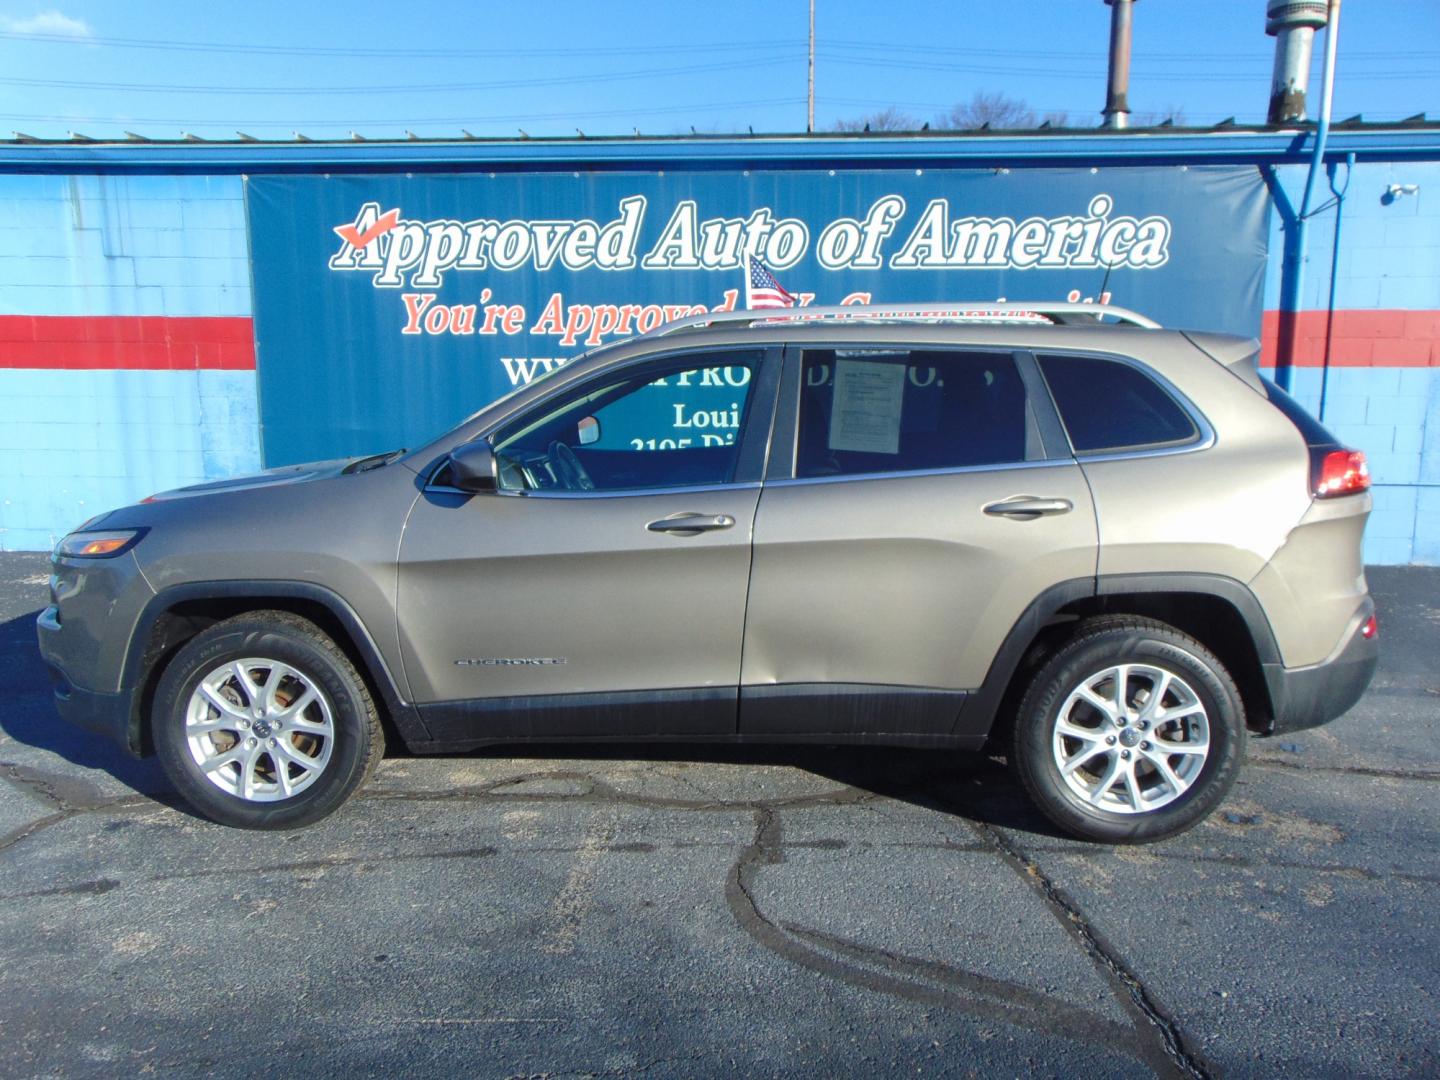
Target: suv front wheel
[(1131, 732), (262, 722)]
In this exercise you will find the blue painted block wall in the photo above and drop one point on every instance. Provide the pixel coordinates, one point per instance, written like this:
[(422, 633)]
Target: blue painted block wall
[(74, 443), (1389, 260)]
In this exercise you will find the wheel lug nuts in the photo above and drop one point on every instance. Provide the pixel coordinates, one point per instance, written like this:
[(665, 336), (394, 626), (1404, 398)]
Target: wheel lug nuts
[(250, 742), (1110, 740), (1125, 754), (244, 723), (1144, 746), (272, 742)]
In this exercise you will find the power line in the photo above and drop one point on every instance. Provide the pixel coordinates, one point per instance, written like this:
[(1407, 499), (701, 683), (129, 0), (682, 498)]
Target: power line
[(1028, 51), (324, 50), (643, 73), (408, 120), (1099, 74), (376, 88)]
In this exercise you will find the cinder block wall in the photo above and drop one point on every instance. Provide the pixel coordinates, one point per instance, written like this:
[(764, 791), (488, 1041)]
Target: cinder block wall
[(127, 359), (1382, 386)]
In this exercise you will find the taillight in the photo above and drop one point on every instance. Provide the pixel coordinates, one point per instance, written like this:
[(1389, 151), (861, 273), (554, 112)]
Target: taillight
[(1341, 472), (1369, 628)]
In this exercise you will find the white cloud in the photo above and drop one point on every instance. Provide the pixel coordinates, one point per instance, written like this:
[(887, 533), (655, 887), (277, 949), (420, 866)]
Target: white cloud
[(48, 22)]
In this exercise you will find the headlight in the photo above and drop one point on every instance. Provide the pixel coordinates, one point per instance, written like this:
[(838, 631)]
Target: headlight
[(99, 545)]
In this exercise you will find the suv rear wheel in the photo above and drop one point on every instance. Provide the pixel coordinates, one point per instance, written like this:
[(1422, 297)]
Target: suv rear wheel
[(262, 722), (1131, 732)]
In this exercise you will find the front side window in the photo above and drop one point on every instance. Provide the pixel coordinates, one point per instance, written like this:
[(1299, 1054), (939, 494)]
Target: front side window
[(663, 426), (899, 410), (1107, 405)]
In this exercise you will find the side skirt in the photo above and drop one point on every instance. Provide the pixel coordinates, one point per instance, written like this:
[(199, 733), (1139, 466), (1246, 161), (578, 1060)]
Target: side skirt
[(897, 739), (823, 713), (648, 714), (848, 709)]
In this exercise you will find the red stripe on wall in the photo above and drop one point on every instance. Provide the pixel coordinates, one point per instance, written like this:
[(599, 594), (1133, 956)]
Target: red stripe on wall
[(121, 342), (1357, 338)]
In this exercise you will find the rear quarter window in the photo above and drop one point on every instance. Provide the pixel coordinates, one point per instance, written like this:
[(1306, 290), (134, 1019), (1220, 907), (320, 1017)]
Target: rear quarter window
[(1107, 405)]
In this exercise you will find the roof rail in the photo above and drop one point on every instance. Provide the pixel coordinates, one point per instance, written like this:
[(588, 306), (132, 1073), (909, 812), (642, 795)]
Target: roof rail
[(936, 312)]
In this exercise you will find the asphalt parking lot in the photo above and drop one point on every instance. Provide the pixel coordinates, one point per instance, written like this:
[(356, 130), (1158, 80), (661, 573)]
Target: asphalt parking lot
[(698, 912)]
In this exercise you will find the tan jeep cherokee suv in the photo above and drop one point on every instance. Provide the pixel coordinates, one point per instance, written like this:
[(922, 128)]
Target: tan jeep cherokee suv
[(1104, 549)]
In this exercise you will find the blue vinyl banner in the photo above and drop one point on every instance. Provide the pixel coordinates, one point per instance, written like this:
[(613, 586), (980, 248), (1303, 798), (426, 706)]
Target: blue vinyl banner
[(389, 307)]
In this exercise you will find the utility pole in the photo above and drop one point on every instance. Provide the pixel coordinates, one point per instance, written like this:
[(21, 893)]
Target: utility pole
[(810, 94), (1117, 91)]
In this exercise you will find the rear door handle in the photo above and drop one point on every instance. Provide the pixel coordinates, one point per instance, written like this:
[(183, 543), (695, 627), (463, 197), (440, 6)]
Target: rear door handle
[(1028, 507), (691, 524)]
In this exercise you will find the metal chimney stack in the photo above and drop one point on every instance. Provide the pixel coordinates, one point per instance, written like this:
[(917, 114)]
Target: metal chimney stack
[(1292, 23), (1117, 104)]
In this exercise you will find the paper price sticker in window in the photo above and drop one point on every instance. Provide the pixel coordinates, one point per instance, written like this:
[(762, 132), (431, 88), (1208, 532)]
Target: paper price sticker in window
[(865, 412)]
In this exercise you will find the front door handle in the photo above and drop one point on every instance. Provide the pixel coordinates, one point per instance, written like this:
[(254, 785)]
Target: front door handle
[(1028, 507), (691, 524)]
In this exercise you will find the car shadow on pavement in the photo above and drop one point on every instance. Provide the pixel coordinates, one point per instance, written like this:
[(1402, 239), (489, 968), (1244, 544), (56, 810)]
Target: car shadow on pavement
[(977, 787), (974, 786), (28, 716)]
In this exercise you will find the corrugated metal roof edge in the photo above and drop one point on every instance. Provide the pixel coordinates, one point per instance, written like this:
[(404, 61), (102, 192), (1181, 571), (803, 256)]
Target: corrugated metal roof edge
[(1407, 140)]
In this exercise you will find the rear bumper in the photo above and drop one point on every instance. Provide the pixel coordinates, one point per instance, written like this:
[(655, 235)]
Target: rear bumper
[(1310, 696)]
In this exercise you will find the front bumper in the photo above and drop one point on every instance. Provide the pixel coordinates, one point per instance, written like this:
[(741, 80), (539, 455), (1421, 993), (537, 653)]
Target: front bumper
[(85, 635), (1310, 696), (112, 715)]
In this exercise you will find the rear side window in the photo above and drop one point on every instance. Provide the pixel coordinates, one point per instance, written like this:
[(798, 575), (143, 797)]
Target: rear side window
[(1107, 405), (897, 410)]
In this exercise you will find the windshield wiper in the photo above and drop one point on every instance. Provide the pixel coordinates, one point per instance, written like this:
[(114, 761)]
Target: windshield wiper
[(374, 461)]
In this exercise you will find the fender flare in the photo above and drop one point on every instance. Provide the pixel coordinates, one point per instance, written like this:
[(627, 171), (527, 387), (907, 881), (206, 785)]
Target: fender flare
[(406, 717), (979, 713)]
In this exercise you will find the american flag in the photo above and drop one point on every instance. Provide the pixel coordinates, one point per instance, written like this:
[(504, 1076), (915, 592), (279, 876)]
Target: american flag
[(761, 288)]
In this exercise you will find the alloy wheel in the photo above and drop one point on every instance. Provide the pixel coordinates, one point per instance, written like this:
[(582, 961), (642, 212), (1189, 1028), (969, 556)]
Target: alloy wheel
[(260, 729), (1131, 738)]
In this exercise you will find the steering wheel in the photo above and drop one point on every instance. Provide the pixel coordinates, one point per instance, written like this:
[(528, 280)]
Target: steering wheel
[(568, 467)]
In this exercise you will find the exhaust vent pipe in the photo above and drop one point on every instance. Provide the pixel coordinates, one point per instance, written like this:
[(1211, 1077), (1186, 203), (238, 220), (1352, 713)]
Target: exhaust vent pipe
[(1117, 89), (1292, 23)]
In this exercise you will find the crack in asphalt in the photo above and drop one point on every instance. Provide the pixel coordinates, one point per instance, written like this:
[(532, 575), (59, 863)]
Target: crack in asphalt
[(1186, 1061), (1346, 770), (628, 1070), (14, 836), (104, 885), (931, 982), (1008, 993), (1242, 862), (68, 795)]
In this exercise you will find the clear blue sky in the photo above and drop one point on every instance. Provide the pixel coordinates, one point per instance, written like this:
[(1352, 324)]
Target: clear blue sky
[(380, 67)]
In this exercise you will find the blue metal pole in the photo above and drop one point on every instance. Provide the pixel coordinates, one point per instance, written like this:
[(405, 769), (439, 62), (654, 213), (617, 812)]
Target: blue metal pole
[(1334, 276)]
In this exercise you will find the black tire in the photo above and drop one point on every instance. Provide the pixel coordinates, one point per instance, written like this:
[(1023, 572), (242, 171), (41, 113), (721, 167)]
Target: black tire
[(358, 741), (1097, 644)]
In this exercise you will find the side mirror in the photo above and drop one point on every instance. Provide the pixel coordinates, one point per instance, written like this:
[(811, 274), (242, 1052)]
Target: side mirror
[(472, 467)]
